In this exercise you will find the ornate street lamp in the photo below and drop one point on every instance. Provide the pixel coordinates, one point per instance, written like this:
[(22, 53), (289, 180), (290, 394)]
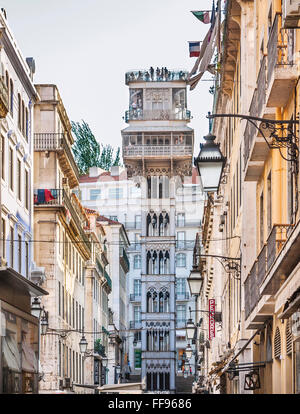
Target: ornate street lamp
[(190, 329), (252, 380), (210, 164), (188, 352), (195, 281), (36, 308), (83, 344), (104, 361), (44, 323)]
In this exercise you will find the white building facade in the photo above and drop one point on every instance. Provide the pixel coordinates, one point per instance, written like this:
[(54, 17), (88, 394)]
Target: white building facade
[(161, 218)]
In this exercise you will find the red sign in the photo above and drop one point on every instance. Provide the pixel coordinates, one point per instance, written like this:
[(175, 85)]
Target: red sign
[(211, 305)]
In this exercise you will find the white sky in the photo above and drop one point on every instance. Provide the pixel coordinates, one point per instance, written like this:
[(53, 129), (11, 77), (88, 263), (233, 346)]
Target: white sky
[(86, 46)]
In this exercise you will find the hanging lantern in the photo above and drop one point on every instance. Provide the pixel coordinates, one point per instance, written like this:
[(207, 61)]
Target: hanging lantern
[(252, 381)]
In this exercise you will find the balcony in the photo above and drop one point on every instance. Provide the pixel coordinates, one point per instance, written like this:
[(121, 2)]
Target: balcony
[(275, 82), (182, 296), (185, 244), (282, 70), (45, 198), (135, 324), (58, 142), (4, 101), (135, 297), (259, 271), (144, 75), (124, 261), (188, 223), (135, 247), (108, 279), (157, 115), (150, 151)]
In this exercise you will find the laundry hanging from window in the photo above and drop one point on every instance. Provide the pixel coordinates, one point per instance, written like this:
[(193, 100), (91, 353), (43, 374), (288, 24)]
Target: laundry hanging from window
[(44, 196)]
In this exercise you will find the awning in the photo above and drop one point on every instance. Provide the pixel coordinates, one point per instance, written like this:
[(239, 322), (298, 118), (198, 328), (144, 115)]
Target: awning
[(9, 276), (240, 351), (11, 354), (29, 361), (288, 289), (127, 388)]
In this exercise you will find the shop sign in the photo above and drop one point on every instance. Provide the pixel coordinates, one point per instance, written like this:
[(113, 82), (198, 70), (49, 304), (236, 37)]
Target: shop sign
[(211, 307)]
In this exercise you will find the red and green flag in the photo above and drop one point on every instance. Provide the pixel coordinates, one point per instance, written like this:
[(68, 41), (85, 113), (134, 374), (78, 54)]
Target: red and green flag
[(203, 16)]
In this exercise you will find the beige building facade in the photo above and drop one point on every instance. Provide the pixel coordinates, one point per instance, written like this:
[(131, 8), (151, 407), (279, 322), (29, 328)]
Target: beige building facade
[(254, 217)]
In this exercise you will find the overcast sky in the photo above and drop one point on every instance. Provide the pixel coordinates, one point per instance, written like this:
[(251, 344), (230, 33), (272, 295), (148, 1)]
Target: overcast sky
[(86, 46)]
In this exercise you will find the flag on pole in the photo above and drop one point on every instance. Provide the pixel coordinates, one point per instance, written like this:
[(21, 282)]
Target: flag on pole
[(194, 48), (203, 16)]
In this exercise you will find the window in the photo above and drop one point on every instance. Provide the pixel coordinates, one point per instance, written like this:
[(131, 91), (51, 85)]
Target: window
[(138, 221), (11, 169), (27, 124), (181, 260), (3, 157), (114, 218), (3, 237), (27, 259), (180, 239), (180, 220), (181, 313), (23, 118), (180, 286), (11, 100), (137, 287), (95, 194), (19, 172), (19, 112), (20, 252), (12, 247), (115, 193), (137, 261), (59, 300), (137, 313)]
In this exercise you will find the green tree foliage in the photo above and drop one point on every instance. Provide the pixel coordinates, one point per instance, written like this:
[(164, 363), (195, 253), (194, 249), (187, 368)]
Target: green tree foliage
[(88, 152)]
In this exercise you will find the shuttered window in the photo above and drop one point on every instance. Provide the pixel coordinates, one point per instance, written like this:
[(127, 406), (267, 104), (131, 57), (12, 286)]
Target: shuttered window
[(288, 337), (277, 344)]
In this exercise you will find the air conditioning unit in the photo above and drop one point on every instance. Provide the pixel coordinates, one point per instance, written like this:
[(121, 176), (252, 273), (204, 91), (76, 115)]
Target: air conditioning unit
[(291, 13)]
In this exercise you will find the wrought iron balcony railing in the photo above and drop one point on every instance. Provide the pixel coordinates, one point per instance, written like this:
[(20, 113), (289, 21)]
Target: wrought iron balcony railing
[(124, 259), (135, 297), (55, 142), (263, 264), (158, 114), (145, 76), (135, 324), (182, 296), (157, 150), (60, 197)]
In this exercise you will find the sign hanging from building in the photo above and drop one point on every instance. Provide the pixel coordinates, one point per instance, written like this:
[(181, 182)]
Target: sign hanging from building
[(211, 307)]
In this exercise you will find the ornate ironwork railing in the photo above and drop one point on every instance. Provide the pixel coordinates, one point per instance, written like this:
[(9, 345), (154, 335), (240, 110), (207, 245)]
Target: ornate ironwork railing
[(157, 150), (157, 76), (275, 242), (251, 290), (135, 297), (158, 114), (49, 141), (60, 197)]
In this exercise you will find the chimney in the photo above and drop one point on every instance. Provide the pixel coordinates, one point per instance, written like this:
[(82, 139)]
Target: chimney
[(94, 171), (115, 171)]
